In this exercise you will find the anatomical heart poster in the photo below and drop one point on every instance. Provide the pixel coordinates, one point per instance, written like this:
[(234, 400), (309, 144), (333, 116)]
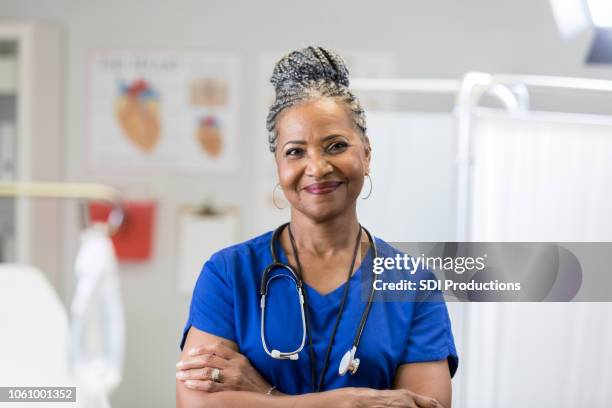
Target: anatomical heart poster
[(168, 110)]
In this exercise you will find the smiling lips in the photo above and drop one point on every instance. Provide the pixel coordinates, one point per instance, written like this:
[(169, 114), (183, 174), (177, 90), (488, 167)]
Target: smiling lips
[(323, 188)]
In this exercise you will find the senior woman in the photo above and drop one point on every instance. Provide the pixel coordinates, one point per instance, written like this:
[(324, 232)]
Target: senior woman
[(406, 350)]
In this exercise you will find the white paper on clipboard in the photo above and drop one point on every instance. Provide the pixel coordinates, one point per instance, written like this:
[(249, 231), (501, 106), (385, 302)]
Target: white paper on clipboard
[(199, 237)]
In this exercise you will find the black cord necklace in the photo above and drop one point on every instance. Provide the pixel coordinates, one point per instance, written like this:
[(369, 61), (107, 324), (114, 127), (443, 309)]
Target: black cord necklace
[(313, 368)]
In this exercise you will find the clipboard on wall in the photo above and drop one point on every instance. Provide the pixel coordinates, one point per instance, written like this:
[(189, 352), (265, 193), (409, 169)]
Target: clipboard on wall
[(201, 233)]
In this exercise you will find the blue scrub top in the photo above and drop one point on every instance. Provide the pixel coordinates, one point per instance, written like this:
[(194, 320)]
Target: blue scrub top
[(226, 303)]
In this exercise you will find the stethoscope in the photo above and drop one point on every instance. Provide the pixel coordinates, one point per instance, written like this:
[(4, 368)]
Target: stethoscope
[(348, 363)]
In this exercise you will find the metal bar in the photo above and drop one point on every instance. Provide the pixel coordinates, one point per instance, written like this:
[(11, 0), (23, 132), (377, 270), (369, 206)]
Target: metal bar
[(450, 86), (587, 84), (453, 86), (87, 191), (90, 191)]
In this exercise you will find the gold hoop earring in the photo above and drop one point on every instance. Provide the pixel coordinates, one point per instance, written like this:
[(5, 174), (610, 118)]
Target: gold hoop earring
[(370, 191), (274, 197)]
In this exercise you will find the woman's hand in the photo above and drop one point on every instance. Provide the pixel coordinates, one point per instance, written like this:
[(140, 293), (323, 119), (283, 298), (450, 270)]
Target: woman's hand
[(401, 398), (237, 373)]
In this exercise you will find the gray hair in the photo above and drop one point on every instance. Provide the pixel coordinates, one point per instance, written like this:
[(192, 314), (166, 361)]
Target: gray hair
[(307, 74)]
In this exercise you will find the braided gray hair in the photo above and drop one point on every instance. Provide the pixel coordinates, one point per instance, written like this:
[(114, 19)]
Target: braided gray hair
[(311, 73)]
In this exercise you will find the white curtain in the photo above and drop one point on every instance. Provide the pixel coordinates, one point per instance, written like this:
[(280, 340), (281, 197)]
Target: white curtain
[(535, 177), (539, 177), (414, 190), (413, 172)]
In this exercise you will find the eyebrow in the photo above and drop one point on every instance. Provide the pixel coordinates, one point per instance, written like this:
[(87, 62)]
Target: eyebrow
[(302, 142)]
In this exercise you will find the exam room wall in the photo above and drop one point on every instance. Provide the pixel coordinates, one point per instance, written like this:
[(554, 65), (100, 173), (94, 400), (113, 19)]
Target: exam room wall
[(430, 39)]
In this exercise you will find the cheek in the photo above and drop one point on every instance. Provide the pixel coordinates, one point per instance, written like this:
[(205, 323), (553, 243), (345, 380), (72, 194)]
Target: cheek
[(355, 171), (354, 167), (288, 175)]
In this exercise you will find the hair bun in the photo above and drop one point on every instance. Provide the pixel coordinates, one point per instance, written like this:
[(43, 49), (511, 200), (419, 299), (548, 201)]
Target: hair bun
[(310, 64)]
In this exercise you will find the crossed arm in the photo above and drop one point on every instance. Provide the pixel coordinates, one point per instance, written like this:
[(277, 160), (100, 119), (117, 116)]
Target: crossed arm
[(416, 385)]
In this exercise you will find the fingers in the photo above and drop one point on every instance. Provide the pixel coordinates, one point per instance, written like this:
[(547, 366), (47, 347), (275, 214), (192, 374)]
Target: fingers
[(207, 385), (218, 349), (425, 402), (195, 374), (206, 360)]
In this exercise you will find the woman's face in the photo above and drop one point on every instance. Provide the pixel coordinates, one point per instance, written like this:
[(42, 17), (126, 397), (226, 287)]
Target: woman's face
[(321, 158)]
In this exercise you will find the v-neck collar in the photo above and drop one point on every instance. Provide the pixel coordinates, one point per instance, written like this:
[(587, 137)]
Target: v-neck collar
[(315, 296)]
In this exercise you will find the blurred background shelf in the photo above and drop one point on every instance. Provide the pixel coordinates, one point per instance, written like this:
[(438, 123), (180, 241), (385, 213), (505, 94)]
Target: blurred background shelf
[(30, 141)]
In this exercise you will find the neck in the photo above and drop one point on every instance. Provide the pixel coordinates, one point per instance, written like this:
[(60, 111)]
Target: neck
[(325, 238)]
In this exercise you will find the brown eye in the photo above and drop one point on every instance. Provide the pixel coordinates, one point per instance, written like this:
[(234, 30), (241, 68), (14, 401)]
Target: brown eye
[(296, 151), (337, 147)]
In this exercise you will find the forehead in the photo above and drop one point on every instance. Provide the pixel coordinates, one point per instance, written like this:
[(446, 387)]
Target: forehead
[(322, 115)]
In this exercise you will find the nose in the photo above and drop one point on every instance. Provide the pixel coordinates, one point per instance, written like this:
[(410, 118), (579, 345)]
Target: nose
[(318, 166)]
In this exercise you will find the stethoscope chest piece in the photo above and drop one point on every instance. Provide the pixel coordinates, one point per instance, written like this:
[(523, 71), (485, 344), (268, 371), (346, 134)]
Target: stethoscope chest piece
[(349, 362)]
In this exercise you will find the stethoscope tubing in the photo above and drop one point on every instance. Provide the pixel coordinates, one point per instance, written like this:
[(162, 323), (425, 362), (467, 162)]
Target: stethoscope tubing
[(265, 281), (282, 355)]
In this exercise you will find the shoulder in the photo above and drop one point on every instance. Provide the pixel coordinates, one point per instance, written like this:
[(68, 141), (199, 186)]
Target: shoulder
[(385, 249), (244, 248), (236, 263), (390, 250), (242, 256), (403, 263)]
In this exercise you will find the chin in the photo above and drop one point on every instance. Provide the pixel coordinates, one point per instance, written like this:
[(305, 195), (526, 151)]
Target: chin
[(322, 214)]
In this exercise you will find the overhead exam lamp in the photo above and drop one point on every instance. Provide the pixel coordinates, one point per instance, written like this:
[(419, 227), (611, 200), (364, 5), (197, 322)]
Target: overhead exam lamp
[(575, 16)]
